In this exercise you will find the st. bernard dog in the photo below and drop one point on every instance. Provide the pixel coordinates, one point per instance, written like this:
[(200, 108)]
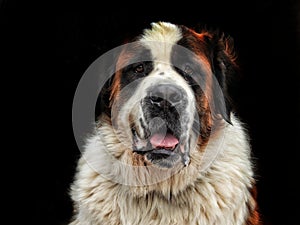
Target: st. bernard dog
[(168, 148)]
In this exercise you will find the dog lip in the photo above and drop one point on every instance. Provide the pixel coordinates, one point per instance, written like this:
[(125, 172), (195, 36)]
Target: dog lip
[(162, 151), (170, 146)]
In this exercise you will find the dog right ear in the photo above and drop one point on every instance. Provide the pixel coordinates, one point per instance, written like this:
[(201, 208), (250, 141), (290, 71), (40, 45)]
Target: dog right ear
[(103, 104), (104, 100), (112, 87)]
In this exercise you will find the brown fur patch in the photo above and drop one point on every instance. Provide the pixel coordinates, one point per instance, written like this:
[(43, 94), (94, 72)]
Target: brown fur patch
[(254, 216), (123, 59)]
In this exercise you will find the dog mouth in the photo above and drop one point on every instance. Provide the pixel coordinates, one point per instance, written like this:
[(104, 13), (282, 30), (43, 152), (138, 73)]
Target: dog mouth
[(162, 147)]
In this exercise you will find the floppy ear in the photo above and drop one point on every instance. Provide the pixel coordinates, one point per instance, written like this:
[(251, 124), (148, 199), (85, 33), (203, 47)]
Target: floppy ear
[(110, 88), (103, 102), (224, 68)]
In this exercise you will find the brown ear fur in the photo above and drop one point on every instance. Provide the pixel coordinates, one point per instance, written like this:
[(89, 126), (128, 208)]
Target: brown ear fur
[(225, 69)]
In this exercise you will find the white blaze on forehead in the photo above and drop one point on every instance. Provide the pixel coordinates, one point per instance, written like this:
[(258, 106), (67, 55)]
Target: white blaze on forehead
[(160, 39), (162, 31)]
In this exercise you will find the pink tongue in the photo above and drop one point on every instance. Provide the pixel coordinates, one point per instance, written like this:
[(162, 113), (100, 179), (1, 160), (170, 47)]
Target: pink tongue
[(163, 141)]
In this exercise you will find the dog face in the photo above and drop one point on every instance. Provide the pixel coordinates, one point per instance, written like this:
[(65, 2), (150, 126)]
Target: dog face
[(169, 93), (165, 116)]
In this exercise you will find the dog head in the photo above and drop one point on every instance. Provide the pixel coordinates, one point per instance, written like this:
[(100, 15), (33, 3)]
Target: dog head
[(169, 94)]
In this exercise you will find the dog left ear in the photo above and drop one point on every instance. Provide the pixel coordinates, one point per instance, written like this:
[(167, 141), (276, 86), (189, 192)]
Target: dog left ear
[(224, 68)]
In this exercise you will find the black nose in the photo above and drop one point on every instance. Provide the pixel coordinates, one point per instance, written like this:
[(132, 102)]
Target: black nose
[(165, 95)]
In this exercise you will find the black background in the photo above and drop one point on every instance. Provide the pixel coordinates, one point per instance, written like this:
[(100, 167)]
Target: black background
[(53, 46)]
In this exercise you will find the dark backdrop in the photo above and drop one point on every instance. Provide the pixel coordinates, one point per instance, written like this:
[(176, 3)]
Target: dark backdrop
[(61, 43)]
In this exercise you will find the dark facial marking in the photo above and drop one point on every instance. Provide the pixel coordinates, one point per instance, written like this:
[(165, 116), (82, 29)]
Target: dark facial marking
[(135, 71), (139, 65)]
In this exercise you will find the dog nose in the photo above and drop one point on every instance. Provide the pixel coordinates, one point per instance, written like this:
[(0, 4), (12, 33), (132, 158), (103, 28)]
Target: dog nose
[(165, 95)]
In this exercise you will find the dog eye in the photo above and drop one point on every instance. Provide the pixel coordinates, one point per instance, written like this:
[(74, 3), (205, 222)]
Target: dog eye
[(188, 70), (139, 68)]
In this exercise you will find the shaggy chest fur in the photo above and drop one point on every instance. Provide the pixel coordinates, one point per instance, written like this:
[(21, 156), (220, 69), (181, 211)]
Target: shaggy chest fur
[(219, 195)]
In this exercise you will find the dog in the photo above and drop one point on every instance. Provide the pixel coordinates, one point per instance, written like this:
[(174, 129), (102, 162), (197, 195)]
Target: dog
[(168, 147)]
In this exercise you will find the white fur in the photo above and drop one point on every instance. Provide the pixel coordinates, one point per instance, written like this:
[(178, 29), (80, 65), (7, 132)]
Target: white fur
[(212, 190), (217, 195)]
